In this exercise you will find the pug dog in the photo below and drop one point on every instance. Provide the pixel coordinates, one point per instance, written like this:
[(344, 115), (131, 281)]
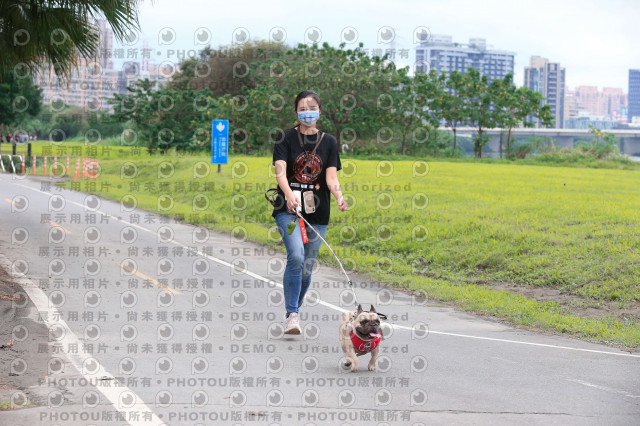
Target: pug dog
[(360, 333)]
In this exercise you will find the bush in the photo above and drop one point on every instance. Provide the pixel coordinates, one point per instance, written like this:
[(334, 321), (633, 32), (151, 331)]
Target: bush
[(533, 145), (104, 123), (604, 147), (437, 144)]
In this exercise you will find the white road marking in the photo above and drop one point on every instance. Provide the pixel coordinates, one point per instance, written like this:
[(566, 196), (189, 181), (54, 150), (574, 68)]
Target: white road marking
[(604, 388), (113, 394), (543, 345), (339, 309)]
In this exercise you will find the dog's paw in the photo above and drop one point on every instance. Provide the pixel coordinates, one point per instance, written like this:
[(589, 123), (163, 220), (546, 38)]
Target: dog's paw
[(354, 368), (347, 363), (372, 366)]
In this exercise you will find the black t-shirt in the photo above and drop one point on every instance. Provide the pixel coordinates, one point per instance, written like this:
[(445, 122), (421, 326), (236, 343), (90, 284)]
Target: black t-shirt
[(307, 175)]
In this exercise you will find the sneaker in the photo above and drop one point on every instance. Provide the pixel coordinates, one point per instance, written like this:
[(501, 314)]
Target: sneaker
[(293, 324)]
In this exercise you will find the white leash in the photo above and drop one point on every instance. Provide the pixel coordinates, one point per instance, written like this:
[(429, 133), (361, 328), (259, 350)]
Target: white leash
[(334, 255)]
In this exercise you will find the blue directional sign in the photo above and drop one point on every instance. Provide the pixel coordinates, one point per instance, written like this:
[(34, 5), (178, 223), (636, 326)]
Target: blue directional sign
[(219, 141)]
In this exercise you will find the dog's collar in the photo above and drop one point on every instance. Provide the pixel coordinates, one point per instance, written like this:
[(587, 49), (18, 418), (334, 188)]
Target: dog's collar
[(364, 346)]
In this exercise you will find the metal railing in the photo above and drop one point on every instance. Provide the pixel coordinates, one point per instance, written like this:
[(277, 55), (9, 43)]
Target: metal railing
[(13, 147)]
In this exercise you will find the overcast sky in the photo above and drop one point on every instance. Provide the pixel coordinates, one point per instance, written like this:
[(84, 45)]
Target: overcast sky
[(596, 41)]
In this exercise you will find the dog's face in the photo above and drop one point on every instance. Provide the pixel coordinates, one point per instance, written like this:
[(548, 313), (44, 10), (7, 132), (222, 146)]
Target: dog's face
[(367, 324)]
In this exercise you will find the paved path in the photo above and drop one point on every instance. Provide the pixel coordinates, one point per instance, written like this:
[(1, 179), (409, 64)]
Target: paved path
[(155, 322)]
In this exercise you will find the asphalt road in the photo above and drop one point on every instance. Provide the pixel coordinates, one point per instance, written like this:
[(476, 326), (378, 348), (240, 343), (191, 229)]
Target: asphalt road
[(154, 322)]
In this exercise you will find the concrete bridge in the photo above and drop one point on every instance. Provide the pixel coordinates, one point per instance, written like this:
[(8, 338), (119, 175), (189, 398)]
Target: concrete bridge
[(629, 140)]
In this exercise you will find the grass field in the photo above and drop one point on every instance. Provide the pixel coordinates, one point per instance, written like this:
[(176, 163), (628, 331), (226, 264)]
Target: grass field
[(550, 248)]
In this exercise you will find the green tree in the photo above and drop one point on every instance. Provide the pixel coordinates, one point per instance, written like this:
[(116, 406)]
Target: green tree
[(525, 106), (104, 123), (255, 118), (418, 104), (19, 99), (399, 105), (518, 106), (223, 70), (49, 32), (163, 118), (349, 83), (67, 123), (450, 105), (504, 91), (477, 98)]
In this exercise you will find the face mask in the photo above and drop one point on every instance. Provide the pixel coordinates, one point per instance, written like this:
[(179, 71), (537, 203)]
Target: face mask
[(308, 117)]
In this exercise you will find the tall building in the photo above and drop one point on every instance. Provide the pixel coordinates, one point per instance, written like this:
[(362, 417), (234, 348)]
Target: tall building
[(634, 96), (440, 53), (609, 102), (548, 79), (572, 106), (104, 56), (613, 102), (583, 120), (94, 80), (89, 87), (588, 99)]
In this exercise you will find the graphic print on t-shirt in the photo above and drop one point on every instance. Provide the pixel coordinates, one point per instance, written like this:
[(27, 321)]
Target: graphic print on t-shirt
[(307, 167), (288, 149)]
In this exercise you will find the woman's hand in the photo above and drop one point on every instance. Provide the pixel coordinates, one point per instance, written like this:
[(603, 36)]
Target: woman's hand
[(281, 176), (292, 203), (334, 186), (342, 204)]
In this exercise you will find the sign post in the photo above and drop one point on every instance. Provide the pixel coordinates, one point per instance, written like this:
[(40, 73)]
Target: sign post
[(219, 142)]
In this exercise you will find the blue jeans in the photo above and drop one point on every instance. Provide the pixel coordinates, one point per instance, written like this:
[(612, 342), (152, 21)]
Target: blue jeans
[(300, 259)]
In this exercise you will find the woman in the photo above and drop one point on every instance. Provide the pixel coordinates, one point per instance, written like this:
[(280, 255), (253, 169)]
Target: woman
[(307, 164)]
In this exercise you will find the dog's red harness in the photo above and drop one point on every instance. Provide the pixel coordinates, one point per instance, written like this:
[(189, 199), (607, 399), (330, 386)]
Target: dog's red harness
[(364, 346)]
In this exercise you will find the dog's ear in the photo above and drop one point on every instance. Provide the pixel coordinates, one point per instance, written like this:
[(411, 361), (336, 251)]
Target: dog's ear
[(359, 310), (372, 310)]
